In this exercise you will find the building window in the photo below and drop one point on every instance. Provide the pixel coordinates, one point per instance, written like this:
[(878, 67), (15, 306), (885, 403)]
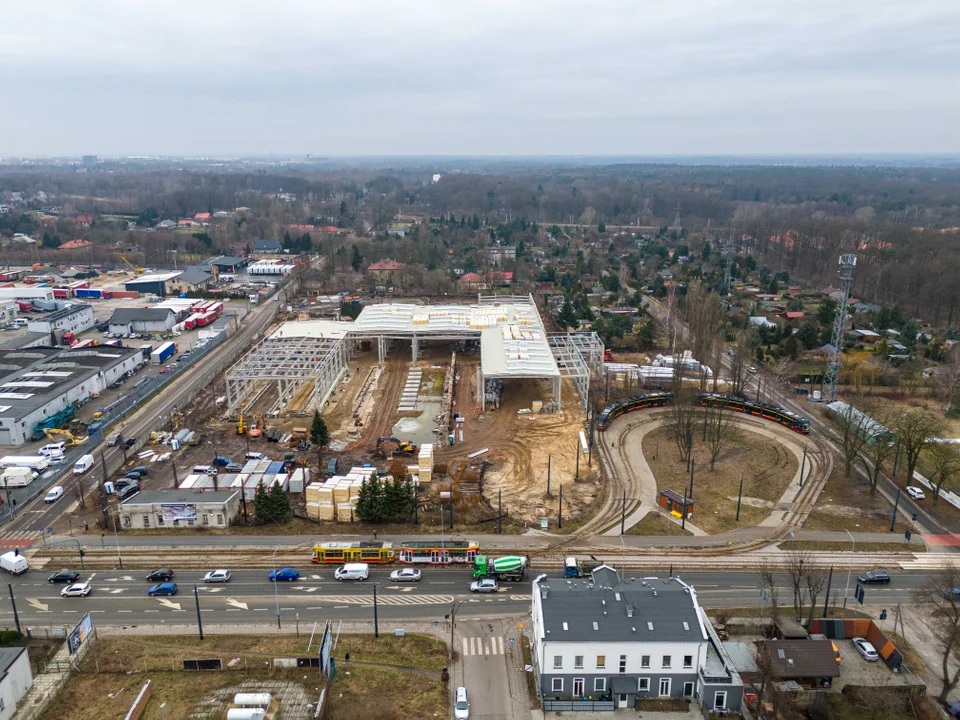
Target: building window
[(688, 689), (643, 685), (666, 661), (127, 521), (644, 661), (623, 664), (601, 662), (191, 523), (665, 687), (599, 685), (578, 662), (159, 519), (206, 519), (720, 700), (578, 687), (219, 519), (688, 661), (146, 521), (558, 662), (557, 685)]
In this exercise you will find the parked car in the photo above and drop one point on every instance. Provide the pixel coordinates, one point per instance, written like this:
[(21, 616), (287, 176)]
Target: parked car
[(218, 576), (951, 592), (128, 490), (284, 574), (487, 585), (233, 467), (129, 442), (915, 492), (405, 575), (874, 577), (953, 710), (114, 440), (461, 707), (866, 649), (76, 590), (64, 576), (133, 475), (56, 492), (161, 575), (167, 588), (139, 469)]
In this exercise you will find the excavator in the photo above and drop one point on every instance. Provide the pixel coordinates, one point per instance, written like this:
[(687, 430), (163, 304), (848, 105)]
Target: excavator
[(241, 428), (136, 270), (258, 427), (403, 447), (65, 436)]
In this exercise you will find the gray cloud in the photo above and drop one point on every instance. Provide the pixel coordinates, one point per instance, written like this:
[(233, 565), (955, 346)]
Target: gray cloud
[(470, 77)]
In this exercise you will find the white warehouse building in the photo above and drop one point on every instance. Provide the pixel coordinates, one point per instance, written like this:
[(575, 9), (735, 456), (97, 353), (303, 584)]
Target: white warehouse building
[(75, 319)]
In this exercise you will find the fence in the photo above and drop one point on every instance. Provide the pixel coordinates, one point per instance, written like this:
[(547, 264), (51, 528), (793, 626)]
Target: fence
[(574, 705)]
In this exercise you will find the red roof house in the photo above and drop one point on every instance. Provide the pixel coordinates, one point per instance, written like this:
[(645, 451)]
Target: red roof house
[(84, 219), (384, 269), (75, 245)]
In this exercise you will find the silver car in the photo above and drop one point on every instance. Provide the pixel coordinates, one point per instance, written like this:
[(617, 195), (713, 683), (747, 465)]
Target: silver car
[(405, 575), (487, 585), (866, 649), (218, 576)]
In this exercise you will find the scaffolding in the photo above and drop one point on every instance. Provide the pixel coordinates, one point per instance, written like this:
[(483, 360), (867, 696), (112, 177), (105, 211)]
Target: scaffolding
[(576, 354), (286, 364)]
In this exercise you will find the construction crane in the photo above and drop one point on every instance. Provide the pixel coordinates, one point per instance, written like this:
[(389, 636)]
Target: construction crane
[(136, 270), (67, 437)]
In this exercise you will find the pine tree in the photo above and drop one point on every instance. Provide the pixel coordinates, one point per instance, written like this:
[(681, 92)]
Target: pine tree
[(370, 501), (356, 260), (261, 504), (279, 504), (319, 435)]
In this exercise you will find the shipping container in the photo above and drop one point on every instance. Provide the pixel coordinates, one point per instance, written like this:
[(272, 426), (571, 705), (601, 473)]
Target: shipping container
[(162, 353)]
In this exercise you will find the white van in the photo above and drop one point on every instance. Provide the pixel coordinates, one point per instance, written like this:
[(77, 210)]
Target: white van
[(53, 450), (83, 465), (14, 563), (461, 707), (204, 470), (352, 571), (256, 456)]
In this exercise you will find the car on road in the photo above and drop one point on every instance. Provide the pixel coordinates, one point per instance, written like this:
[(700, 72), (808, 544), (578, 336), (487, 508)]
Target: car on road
[(866, 649), (129, 442), (951, 592), (487, 585), (220, 576), (128, 490), (161, 575), (64, 576), (285, 574), (874, 577), (167, 588), (915, 492), (76, 590), (114, 440), (405, 575), (461, 706), (56, 492), (752, 370)]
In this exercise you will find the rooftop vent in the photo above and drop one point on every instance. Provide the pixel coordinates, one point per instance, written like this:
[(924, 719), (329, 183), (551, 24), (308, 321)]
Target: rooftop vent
[(629, 610), (650, 626), (789, 662), (634, 629), (617, 596), (565, 626), (780, 654), (603, 602), (654, 593), (596, 626), (686, 626)]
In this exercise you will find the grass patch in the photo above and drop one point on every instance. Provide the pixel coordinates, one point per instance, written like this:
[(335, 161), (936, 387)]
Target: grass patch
[(654, 523), (846, 504), (891, 547), (767, 469), (662, 705), (911, 658), (532, 695)]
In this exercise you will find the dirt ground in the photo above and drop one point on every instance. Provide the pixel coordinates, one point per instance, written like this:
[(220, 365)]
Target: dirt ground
[(846, 504), (767, 469)]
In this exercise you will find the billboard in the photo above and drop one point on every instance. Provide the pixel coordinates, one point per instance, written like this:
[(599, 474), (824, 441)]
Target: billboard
[(79, 634), (323, 650), (178, 511)]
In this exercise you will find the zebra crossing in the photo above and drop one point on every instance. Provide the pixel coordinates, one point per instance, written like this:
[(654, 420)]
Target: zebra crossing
[(482, 646), (18, 538)]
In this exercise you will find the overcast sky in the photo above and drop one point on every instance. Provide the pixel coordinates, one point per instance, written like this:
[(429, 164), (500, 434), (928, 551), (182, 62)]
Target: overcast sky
[(120, 77)]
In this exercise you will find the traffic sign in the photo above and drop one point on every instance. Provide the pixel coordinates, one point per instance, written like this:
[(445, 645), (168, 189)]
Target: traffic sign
[(883, 614), (907, 535), (512, 640), (858, 593)]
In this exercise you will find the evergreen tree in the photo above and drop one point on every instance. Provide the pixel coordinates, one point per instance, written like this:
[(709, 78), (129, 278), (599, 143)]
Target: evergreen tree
[(279, 504), (261, 504), (319, 434), (356, 260), (370, 506)]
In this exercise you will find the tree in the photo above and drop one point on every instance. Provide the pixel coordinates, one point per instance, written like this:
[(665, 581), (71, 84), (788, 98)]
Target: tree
[(815, 582), (782, 369), (827, 311), (876, 453), (854, 427), (261, 504), (319, 435), (719, 430), (945, 460), (279, 504), (908, 333), (808, 335), (914, 431), (370, 505), (797, 566), (943, 619), (356, 260), (948, 379), (601, 228), (741, 361)]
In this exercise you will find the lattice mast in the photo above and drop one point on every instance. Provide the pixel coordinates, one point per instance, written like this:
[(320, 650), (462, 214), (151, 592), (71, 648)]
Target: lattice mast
[(831, 377)]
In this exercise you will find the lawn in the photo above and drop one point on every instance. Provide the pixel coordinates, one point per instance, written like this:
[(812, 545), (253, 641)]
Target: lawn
[(845, 504), (817, 546), (654, 523), (401, 681), (767, 469)]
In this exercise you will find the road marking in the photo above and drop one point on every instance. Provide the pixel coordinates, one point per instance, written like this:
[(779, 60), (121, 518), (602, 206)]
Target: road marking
[(340, 607), (151, 611), (315, 577), (210, 589), (500, 644), (92, 576), (42, 607), (93, 611), (442, 582), (401, 589), (314, 608), (168, 603), (69, 611), (260, 609), (130, 611), (237, 604), (116, 591)]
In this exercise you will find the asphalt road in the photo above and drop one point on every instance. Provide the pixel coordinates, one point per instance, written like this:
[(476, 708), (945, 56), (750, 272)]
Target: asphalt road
[(36, 516), (250, 598)]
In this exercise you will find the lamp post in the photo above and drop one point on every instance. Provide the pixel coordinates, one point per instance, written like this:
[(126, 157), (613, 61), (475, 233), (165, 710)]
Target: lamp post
[(853, 549), (117, 538), (276, 585)]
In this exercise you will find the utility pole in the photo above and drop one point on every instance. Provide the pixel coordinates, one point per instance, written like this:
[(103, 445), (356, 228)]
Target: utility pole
[(577, 452), (623, 513), (826, 601), (692, 465), (500, 511), (739, 497), (803, 464), (196, 596), (896, 504), (116, 536), (549, 458), (453, 624), (13, 601), (376, 625), (560, 509)]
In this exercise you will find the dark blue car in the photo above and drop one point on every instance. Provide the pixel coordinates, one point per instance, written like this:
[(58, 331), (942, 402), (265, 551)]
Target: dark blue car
[(167, 588), (285, 574)]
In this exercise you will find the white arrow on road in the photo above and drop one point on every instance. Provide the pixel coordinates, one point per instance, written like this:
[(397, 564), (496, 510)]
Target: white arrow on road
[(401, 589), (210, 589), (314, 577), (168, 603), (33, 602), (116, 591), (237, 604), (125, 577), (305, 588)]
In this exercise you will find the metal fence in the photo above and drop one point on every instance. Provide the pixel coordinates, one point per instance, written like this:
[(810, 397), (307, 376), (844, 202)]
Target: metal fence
[(574, 705)]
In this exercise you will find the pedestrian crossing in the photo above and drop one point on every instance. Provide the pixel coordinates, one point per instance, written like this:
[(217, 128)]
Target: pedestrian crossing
[(482, 646), (18, 538)]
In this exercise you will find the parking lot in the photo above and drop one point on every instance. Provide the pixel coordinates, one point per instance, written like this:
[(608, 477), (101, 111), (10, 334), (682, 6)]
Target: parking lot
[(854, 670)]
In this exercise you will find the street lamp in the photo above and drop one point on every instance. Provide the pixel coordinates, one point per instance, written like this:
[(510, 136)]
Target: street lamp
[(276, 584), (850, 568)]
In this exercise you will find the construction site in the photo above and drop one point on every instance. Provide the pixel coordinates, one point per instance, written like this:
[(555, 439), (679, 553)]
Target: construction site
[(499, 399)]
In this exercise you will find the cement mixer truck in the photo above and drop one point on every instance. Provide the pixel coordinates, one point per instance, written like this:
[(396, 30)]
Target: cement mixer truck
[(511, 567)]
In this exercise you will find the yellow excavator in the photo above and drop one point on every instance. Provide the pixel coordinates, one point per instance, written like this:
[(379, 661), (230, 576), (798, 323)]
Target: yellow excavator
[(136, 270), (241, 428), (64, 436)]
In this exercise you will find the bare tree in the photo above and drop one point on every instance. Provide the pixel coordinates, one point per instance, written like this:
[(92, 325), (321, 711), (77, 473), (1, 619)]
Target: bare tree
[(719, 430), (743, 354), (854, 429), (797, 566), (816, 582), (703, 315), (768, 584), (781, 370), (948, 378), (945, 459), (938, 595), (915, 431)]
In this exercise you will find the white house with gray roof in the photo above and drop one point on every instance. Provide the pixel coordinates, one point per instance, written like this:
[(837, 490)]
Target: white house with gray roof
[(600, 642)]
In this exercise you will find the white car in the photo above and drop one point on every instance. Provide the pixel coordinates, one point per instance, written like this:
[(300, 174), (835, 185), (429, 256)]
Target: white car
[(487, 585), (76, 590), (915, 492), (866, 649), (55, 494), (405, 575), (217, 576)]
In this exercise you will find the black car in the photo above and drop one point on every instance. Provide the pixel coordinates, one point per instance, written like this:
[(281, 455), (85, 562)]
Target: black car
[(133, 475), (64, 576), (161, 575), (128, 490), (129, 443), (874, 577)]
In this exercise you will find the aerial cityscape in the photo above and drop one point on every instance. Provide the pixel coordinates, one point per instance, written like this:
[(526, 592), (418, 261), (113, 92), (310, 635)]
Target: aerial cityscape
[(480, 361)]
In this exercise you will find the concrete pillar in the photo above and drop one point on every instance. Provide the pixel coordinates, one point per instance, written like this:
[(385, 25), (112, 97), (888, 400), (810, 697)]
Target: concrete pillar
[(415, 347)]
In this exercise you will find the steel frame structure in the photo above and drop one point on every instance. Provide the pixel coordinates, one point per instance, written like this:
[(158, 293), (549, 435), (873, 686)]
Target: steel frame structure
[(287, 363), (576, 354), (831, 377)]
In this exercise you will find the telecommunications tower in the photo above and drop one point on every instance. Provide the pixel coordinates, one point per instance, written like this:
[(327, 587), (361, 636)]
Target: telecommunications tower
[(676, 221), (832, 375)]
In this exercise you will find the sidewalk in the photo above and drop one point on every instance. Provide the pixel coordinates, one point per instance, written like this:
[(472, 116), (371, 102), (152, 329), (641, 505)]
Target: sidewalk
[(45, 687)]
